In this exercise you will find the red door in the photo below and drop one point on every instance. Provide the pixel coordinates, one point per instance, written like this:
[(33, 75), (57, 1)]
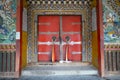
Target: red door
[(61, 36), (71, 29), (48, 27)]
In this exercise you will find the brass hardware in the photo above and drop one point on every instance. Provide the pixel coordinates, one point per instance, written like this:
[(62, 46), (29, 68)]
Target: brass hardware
[(67, 38), (53, 38)]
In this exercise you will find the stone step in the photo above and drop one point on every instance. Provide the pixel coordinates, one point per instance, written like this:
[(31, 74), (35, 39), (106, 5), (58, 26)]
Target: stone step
[(59, 64), (59, 69), (56, 72), (62, 77)]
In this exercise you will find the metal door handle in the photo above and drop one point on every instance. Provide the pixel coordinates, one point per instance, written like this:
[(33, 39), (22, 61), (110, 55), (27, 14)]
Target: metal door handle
[(67, 38), (53, 38)]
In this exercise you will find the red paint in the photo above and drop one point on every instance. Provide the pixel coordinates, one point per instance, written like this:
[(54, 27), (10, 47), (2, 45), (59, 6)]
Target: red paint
[(72, 24), (52, 24), (47, 37), (47, 24), (18, 41), (100, 38)]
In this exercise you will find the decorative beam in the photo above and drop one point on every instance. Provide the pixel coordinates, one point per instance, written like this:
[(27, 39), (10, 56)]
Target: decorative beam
[(54, 2)]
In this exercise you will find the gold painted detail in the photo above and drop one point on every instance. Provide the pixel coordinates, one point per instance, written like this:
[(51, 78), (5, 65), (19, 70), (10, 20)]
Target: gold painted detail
[(7, 47), (117, 2), (114, 5)]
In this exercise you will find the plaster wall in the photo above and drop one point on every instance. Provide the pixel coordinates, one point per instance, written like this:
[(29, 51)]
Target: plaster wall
[(94, 41), (24, 35)]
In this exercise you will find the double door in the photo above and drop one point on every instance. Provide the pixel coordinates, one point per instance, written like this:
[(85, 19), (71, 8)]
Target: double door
[(59, 38)]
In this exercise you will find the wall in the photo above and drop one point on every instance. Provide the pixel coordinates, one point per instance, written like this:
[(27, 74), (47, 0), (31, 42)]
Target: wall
[(24, 49), (24, 35), (111, 24), (94, 49), (8, 21), (10, 37), (111, 28), (111, 21), (94, 39)]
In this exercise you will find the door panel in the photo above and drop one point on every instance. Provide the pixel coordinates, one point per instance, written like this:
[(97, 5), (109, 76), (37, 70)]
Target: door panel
[(71, 23), (72, 28), (47, 37), (48, 27), (48, 23), (73, 37)]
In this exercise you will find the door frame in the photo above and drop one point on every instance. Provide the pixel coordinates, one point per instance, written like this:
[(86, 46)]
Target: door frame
[(84, 57), (34, 11)]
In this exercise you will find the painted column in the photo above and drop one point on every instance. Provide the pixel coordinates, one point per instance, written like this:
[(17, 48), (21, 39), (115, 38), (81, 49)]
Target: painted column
[(100, 38), (18, 37)]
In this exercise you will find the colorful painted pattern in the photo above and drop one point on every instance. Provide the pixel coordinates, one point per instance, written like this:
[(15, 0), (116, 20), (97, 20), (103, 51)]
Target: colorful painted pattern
[(8, 21), (58, 2), (111, 23), (59, 7)]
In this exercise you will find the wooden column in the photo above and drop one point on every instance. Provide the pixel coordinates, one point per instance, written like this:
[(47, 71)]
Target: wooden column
[(18, 38), (100, 38)]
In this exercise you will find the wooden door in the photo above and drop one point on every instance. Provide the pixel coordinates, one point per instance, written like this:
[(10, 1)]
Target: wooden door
[(48, 27), (72, 29), (67, 33)]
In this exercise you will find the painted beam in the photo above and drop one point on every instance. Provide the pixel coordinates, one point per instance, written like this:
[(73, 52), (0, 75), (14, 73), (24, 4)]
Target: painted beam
[(100, 38)]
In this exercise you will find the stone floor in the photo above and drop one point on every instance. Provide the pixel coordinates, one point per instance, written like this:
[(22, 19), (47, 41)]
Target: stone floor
[(60, 69), (70, 77), (73, 71), (65, 77)]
